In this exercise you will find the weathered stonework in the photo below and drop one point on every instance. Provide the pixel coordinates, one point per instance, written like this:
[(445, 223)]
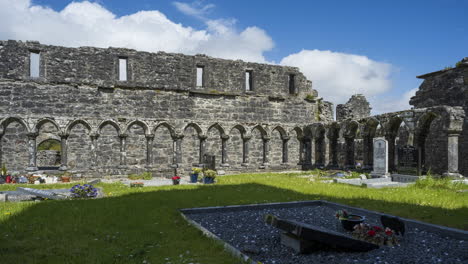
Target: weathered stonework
[(159, 120), (356, 108)]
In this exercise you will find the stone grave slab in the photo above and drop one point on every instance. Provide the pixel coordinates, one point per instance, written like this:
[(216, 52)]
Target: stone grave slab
[(316, 236), (380, 158), (43, 193)]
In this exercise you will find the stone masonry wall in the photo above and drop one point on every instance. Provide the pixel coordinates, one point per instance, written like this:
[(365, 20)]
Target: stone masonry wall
[(79, 94)]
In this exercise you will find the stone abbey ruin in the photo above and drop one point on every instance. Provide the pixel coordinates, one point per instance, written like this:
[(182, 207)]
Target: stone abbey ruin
[(118, 111)]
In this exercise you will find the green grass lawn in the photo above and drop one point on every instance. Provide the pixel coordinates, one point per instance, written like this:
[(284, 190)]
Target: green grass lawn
[(143, 225)]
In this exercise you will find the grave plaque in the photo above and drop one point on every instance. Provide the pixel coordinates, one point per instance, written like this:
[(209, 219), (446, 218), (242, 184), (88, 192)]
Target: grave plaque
[(380, 158), (407, 159)]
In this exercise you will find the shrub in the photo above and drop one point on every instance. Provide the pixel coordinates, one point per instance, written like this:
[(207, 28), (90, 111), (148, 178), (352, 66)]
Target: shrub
[(210, 174), (310, 97), (196, 170)]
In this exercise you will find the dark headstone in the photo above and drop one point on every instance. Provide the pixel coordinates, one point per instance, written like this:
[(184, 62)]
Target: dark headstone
[(317, 235), (393, 223), (407, 159)]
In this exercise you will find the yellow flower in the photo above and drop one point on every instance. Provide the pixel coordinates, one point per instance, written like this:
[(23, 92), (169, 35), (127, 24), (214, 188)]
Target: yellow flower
[(7, 213)]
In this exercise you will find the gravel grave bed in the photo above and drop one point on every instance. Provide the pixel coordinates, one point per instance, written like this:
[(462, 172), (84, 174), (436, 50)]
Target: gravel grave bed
[(246, 231)]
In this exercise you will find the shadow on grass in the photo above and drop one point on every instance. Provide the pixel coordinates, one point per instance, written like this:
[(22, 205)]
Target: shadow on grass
[(146, 226)]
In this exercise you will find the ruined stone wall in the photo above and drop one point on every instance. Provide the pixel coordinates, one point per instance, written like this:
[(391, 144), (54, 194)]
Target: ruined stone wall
[(79, 95), (356, 108)]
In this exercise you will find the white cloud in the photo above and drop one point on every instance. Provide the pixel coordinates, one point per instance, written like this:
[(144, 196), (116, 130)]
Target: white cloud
[(195, 9), (90, 24), (392, 102), (337, 76)]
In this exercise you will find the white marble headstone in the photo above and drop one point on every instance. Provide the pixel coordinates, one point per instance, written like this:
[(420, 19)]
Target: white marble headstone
[(380, 157)]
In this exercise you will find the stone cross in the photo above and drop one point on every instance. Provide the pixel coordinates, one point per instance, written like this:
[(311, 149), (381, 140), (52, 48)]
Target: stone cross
[(380, 158)]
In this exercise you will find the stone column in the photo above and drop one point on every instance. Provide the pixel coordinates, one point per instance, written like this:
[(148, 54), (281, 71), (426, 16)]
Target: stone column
[(452, 152), (391, 151), (32, 149), (64, 152), (326, 151), (94, 138), (266, 151), (177, 150), (285, 150), (312, 154), (202, 148), (1, 153), (245, 150), (123, 150), (301, 150), (149, 150), (224, 155)]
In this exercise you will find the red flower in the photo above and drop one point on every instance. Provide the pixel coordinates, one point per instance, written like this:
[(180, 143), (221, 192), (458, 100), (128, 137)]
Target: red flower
[(176, 178), (388, 232), (371, 233), (377, 228)]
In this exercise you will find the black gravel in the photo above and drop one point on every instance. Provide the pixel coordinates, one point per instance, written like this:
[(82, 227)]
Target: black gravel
[(246, 231)]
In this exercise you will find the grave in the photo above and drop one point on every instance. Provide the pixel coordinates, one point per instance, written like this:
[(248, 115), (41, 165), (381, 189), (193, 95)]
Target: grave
[(380, 158), (304, 226), (408, 160), (304, 238)]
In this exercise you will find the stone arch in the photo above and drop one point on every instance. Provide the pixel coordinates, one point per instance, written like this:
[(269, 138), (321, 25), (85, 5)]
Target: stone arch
[(48, 155), (256, 146), (14, 144), (41, 122), (235, 149), (136, 132), (214, 142), (5, 122), (79, 154), (191, 146), (276, 146), (108, 145), (170, 128), (194, 126), (426, 140), (294, 146), (368, 135), (163, 147), (140, 123), (73, 123), (111, 123)]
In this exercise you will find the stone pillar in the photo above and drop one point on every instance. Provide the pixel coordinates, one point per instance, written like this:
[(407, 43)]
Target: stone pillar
[(266, 151), (149, 150), (224, 156), (311, 157), (391, 151), (94, 138), (367, 147), (202, 148), (452, 152), (326, 151), (1, 152), (123, 150), (64, 152), (285, 150), (245, 150), (32, 149)]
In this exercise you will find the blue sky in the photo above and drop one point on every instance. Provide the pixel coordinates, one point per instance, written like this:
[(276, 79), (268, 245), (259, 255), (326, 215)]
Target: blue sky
[(371, 47)]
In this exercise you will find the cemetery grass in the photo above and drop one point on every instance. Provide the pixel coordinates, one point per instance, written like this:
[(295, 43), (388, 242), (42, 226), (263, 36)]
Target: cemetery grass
[(143, 225)]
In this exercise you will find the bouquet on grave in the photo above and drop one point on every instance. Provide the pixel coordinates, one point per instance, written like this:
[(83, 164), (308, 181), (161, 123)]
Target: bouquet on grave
[(83, 191), (375, 234)]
